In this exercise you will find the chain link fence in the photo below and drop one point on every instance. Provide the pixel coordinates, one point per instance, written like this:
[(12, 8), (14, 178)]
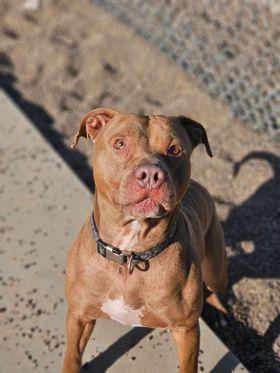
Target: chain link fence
[(231, 46)]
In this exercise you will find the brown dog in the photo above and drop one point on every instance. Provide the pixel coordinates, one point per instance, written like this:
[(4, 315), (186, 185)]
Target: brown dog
[(155, 239)]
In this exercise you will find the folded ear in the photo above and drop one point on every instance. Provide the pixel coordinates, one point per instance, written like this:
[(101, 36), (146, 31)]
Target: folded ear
[(92, 124), (196, 132)]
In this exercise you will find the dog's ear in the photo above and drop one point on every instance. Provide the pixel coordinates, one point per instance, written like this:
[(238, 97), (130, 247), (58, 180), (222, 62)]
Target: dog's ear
[(92, 123), (196, 132)]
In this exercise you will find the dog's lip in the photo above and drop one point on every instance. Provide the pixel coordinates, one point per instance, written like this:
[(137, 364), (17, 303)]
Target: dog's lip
[(133, 199), (148, 199), (146, 207), (133, 203)]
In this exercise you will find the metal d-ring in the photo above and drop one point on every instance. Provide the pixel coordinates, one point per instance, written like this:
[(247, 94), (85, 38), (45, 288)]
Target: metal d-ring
[(130, 264)]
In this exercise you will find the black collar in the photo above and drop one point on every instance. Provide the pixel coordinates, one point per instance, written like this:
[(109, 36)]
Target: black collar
[(131, 258)]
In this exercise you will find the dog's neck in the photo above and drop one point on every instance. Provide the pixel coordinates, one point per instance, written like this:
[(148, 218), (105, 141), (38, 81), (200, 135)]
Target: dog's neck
[(125, 232)]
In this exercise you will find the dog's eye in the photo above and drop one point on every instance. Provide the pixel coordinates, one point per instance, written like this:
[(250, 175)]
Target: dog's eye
[(119, 143), (174, 150)]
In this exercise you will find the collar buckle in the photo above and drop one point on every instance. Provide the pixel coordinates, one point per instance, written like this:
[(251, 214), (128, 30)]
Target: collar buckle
[(129, 257), (112, 253)]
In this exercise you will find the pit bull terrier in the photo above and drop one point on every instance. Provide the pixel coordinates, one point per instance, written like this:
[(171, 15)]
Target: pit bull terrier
[(153, 242)]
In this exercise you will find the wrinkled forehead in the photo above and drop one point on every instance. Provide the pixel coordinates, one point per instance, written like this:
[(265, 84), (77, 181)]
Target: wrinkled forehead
[(154, 128)]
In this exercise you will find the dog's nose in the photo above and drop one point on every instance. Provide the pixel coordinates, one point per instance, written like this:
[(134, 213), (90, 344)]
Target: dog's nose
[(149, 176)]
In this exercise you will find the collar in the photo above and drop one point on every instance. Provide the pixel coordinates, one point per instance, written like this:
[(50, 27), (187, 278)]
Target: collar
[(131, 258)]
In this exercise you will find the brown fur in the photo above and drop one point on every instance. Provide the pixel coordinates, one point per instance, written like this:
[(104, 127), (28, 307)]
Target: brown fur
[(168, 289)]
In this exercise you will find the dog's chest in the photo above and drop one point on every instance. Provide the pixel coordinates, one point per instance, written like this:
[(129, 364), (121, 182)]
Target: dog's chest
[(117, 309), (141, 300), (125, 300)]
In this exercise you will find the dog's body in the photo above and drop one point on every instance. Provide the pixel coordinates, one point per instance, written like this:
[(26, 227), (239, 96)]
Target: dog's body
[(133, 210)]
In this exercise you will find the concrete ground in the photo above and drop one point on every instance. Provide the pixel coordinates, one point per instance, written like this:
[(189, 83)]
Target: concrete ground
[(68, 57), (43, 206)]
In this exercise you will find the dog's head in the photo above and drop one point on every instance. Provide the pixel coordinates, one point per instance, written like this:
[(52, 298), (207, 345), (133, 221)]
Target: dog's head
[(141, 164)]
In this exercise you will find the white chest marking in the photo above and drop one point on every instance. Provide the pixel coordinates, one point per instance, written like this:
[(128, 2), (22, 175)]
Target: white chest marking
[(117, 310), (130, 239)]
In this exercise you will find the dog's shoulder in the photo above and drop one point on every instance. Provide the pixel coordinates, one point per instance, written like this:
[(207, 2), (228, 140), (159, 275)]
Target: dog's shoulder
[(197, 194), (198, 201)]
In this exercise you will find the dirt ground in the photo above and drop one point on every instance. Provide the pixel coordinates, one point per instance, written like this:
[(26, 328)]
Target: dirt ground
[(67, 57)]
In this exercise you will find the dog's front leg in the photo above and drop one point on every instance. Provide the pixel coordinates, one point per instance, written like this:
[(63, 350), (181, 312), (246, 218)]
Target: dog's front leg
[(187, 344), (78, 334)]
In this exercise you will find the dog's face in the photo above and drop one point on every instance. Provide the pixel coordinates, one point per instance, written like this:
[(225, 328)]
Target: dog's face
[(141, 164)]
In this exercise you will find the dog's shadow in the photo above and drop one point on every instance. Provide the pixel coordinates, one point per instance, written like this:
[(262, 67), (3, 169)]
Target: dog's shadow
[(108, 357), (252, 231), (257, 220)]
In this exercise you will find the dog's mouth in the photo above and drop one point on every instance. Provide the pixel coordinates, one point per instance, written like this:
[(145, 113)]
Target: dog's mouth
[(148, 206), (140, 202)]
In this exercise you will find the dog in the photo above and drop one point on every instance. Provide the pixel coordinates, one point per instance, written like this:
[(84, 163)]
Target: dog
[(153, 247)]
